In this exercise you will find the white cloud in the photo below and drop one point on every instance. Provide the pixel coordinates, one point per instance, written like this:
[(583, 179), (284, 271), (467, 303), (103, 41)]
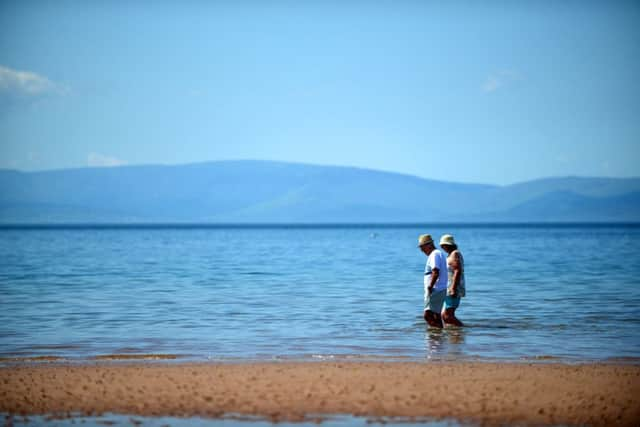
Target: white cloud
[(101, 160), (500, 80), (26, 83), (491, 84)]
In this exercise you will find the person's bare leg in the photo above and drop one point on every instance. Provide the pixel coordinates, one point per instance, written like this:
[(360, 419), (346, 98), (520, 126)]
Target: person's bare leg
[(433, 319), (449, 317)]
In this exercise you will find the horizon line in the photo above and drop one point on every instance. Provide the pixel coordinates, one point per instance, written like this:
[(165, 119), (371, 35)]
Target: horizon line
[(318, 165), (310, 225)]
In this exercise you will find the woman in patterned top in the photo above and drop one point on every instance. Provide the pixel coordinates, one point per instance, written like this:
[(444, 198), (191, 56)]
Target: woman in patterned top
[(456, 284)]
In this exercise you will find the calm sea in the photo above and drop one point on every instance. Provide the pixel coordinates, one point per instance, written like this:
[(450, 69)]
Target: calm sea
[(568, 293)]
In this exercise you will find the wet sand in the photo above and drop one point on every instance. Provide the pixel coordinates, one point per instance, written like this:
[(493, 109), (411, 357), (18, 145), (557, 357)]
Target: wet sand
[(493, 393)]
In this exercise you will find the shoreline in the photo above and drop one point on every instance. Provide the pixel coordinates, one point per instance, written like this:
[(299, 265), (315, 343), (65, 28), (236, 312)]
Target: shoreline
[(195, 359), (484, 392)]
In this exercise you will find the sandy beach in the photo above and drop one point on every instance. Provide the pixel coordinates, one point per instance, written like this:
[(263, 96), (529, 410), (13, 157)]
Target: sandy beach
[(594, 394)]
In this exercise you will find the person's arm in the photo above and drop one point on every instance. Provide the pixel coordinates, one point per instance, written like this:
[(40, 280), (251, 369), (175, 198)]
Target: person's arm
[(435, 273), (455, 266)]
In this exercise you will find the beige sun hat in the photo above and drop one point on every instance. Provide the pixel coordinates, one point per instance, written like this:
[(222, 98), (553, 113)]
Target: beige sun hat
[(424, 239), (447, 239)]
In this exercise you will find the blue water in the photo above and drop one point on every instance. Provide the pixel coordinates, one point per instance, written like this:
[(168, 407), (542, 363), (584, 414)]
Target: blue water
[(567, 293), (231, 421)]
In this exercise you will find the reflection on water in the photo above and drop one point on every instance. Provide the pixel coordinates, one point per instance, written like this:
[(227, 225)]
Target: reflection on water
[(445, 343), (229, 420)]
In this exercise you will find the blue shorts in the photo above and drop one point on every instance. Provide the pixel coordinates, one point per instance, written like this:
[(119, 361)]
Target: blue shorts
[(451, 302)]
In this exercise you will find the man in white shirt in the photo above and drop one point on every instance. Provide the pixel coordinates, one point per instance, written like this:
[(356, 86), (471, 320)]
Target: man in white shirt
[(435, 281)]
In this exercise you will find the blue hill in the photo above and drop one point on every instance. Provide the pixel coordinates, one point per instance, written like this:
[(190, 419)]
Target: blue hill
[(274, 192)]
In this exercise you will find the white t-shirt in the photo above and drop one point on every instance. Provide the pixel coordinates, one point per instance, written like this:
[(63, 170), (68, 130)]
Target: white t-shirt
[(437, 260)]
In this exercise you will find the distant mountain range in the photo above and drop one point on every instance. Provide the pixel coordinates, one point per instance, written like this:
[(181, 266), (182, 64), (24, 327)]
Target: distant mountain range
[(273, 192)]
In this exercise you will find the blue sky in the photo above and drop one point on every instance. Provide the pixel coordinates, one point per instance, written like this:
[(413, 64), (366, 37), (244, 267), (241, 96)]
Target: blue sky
[(488, 92)]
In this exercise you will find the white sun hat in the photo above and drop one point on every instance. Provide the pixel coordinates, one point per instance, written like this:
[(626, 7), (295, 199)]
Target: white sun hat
[(447, 239)]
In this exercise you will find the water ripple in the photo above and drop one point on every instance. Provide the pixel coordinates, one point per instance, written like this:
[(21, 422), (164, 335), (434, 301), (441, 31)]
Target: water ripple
[(334, 292)]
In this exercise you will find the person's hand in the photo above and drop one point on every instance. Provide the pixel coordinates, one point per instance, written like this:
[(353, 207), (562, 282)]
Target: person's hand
[(453, 293)]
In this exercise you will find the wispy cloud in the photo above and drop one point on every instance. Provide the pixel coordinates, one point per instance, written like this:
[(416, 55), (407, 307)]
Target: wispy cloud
[(101, 160), (500, 80), (27, 83), (23, 88)]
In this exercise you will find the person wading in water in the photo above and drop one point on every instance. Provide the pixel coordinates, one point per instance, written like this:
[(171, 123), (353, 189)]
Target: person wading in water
[(456, 285), (435, 281)]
